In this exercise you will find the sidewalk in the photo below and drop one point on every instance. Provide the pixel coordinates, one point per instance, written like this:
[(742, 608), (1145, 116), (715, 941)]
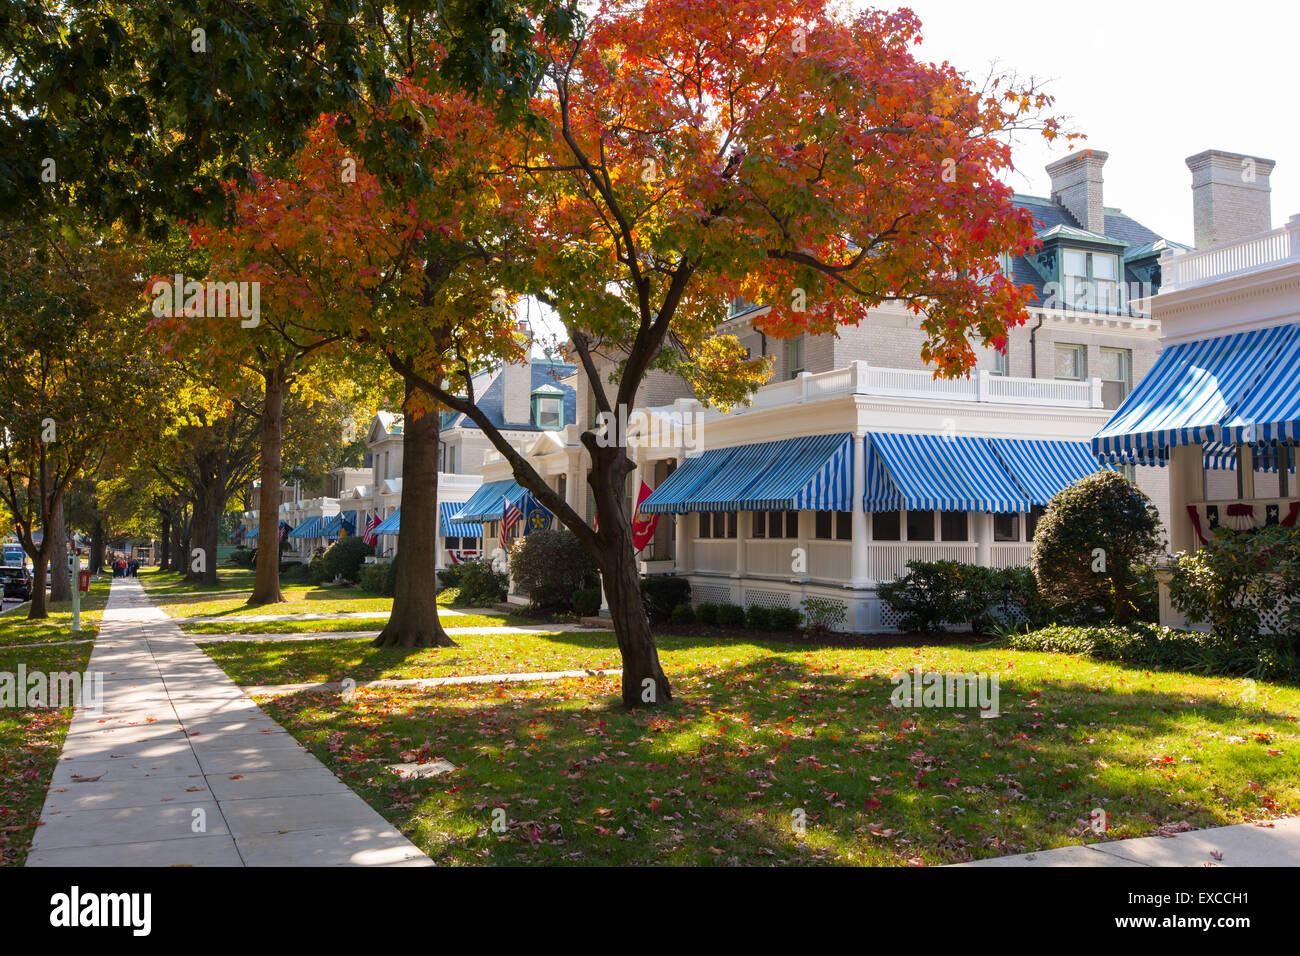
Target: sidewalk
[(183, 769), (1242, 845)]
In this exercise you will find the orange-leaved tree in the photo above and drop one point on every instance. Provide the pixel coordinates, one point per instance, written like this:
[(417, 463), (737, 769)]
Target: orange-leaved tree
[(779, 150)]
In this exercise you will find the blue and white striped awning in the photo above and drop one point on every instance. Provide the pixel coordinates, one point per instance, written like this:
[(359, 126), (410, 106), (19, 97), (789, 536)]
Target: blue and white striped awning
[(812, 472), (488, 502), (307, 528), (451, 528), (1041, 468), (252, 535), (392, 524), (937, 473), (1198, 391), (673, 492), (1221, 457), (1270, 411), (332, 526)]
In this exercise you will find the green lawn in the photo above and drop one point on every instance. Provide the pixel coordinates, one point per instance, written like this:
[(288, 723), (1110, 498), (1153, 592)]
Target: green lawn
[(16, 629), (30, 742), (759, 732), (226, 626)]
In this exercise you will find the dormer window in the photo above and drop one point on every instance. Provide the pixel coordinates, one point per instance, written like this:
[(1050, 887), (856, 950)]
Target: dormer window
[(548, 407), (1090, 280)]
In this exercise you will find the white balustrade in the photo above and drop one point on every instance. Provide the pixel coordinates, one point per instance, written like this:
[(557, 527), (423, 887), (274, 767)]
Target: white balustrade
[(1179, 270)]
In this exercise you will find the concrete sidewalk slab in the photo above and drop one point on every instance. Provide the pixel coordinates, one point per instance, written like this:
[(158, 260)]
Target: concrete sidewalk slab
[(181, 768), (1274, 843)]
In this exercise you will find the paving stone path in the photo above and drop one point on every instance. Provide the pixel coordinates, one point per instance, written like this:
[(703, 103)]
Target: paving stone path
[(181, 768), (1245, 844)]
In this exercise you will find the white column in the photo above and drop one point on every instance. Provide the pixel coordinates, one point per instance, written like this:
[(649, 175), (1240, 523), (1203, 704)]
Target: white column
[(685, 556), (982, 526), (858, 563), (805, 518)]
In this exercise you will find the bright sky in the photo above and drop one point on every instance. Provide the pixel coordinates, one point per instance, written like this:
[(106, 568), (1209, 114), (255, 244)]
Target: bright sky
[(1150, 83)]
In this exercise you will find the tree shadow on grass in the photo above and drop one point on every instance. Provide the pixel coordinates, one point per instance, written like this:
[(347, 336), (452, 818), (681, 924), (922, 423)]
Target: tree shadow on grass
[(750, 753)]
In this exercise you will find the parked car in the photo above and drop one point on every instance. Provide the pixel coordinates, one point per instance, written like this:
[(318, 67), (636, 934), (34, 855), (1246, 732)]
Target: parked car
[(17, 583)]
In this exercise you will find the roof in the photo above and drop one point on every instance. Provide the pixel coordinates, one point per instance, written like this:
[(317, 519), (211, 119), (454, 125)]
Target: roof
[(491, 399), (1054, 222)]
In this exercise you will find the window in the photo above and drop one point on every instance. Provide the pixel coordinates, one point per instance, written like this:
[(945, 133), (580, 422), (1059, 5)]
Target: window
[(1031, 521), (885, 526), (1006, 527), (794, 356), (1000, 366), (452, 543), (1072, 362), (776, 524), (706, 525), (725, 528), (447, 459), (1116, 376), (1090, 280), (953, 526), (548, 411), (920, 526), (833, 526)]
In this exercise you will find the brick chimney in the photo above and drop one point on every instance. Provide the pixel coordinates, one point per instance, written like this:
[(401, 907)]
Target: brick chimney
[(1230, 196), (1076, 185)]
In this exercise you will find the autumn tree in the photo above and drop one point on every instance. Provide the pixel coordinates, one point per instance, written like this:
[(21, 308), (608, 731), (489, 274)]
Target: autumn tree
[(777, 150), (73, 383)]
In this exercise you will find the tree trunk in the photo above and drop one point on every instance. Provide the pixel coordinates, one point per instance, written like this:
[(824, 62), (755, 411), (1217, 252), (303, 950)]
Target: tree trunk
[(96, 547), (414, 619), (177, 565), (60, 584), (266, 582), (38, 611), (165, 542), (644, 683), (205, 531)]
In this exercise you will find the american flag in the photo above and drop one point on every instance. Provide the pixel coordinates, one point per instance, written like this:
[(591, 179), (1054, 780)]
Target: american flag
[(509, 518), (369, 536)]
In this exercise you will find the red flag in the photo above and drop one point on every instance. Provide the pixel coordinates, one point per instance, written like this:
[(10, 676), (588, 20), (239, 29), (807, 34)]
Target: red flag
[(643, 526), (369, 536)]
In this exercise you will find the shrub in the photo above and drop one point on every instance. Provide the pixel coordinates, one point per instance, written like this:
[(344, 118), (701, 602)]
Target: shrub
[(1240, 578), (1092, 539), (823, 616), (929, 595), (785, 618), (662, 594), (586, 602), (757, 616), (243, 557), (707, 613), (379, 578), (731, 615), (934, 593), (1149, 645), (343, 559), (449, 577), (683, 614), (481, 584), (549, 566)]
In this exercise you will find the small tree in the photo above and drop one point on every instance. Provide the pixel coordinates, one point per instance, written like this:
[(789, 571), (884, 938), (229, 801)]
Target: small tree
[(344, 558), (1092, 541), (549, 566)]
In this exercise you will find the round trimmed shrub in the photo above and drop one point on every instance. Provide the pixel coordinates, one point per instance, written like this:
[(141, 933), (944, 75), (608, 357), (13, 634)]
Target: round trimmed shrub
[(683, 614), (1092, 541), (344, 558), (549, 566), (586, 602), (707, 613), (731, 615), (785, 618), (757, 616)]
